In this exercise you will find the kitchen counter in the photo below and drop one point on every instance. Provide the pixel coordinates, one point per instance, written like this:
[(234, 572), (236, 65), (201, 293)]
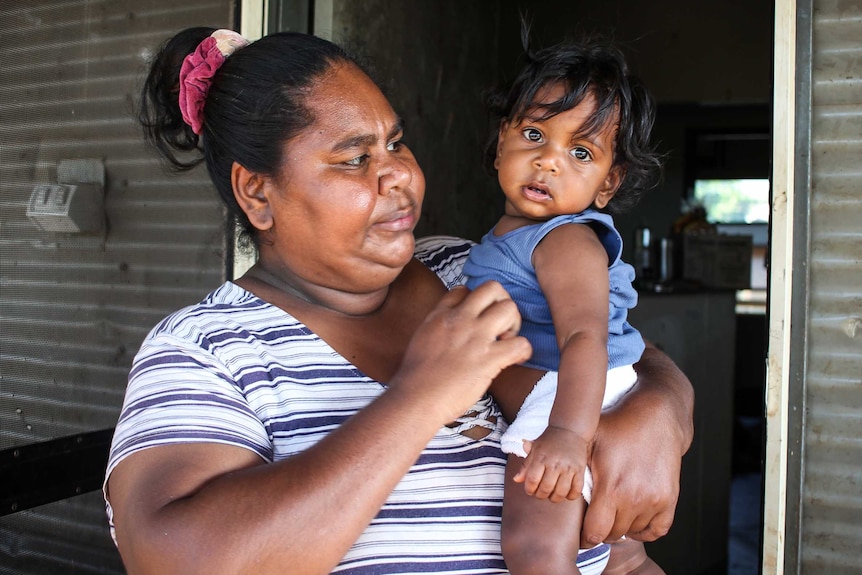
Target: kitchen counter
[(697, 329)]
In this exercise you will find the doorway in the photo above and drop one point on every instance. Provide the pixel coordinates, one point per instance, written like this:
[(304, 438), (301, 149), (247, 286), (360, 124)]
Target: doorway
[(677, 59)]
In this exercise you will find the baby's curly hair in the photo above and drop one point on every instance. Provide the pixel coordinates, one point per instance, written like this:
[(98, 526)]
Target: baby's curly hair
[(587, 67)]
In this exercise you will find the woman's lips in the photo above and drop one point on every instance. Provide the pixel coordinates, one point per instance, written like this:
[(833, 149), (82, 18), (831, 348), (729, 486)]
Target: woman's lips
[(399, 221)]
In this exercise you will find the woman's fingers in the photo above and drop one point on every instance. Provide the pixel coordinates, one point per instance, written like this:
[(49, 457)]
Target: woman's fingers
[(598, 521), (622, 505), (491, 307), (486, 312), (652, 528), (491, 303), (466, 341)]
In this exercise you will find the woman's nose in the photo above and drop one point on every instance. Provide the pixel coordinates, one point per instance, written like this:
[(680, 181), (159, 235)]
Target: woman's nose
[(395, 174)]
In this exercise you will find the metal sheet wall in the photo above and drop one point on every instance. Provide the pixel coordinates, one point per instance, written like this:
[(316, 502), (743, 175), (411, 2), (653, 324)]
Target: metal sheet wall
[(831, 530), (75, 307)]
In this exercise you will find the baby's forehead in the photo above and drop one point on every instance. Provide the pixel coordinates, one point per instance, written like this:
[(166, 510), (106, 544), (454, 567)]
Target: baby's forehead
[(592, 119), (554, 98)]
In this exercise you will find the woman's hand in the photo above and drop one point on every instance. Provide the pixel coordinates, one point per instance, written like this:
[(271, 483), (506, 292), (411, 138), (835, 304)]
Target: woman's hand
[(463, 344), (637, 455)]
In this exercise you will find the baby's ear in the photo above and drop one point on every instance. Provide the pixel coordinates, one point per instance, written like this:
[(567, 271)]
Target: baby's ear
[(504, 127), (609, 187)]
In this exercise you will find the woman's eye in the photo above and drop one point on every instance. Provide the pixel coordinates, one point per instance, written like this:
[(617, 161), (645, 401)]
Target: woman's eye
[(533, 135), (581, 154), (357, 161)]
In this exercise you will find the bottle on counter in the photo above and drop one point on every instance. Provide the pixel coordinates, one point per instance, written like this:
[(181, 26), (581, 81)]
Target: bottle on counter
[(643, 256), (666, 256)]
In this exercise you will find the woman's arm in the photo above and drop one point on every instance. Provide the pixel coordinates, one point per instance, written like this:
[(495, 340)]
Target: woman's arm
[(637, 455), (209, 508), (637, 452)]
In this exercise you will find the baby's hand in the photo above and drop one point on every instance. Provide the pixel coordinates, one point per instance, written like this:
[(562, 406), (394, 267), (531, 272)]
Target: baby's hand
[(554, 468)]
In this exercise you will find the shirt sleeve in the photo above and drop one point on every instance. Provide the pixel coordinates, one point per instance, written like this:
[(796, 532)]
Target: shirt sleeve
[(445, 256), (179, 392)]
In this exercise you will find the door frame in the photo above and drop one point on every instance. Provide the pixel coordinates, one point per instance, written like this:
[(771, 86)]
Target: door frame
[(788, 292), (787, 300)]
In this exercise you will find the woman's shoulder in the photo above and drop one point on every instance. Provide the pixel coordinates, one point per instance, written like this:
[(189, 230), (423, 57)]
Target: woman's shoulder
[(228, 307), (227, 299), (445, 256)]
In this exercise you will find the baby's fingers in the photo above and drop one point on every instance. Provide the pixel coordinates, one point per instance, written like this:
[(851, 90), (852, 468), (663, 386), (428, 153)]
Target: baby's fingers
[(521, 475), (575, 487), (566, 485), (537, 480)]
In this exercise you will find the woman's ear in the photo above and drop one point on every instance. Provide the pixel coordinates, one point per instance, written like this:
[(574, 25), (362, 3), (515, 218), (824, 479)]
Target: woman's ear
[(609, 187), (248, 189), (504, 127)]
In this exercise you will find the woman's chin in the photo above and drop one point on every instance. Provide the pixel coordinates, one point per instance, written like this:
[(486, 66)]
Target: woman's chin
[(400, 251)]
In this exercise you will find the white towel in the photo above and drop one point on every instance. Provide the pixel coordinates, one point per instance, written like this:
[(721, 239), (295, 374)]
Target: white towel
[(532, 419)]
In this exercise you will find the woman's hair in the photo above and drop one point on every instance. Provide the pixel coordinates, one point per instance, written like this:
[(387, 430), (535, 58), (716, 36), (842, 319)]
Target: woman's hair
[(587, 68), (256, 103)]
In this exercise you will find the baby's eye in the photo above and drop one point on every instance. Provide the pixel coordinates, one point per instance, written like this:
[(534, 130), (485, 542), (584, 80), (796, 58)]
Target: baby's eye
[(532, 134), (581, 153)]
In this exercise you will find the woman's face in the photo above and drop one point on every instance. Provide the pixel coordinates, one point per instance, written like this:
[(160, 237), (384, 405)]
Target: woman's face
[(348, 194)]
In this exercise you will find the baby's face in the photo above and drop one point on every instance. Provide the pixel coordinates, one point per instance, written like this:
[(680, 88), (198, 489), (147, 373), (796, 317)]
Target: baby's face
[(550, 167)]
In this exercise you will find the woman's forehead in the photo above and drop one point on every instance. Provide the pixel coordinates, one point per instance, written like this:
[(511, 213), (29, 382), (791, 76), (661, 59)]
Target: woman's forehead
[(348, 111), (344, 92)]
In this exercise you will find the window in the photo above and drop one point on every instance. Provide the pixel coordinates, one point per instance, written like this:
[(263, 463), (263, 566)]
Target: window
[(734, 201), (727, 173)]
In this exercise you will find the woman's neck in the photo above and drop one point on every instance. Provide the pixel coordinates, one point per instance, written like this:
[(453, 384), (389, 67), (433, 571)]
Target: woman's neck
[(356, 330), (295, 294)]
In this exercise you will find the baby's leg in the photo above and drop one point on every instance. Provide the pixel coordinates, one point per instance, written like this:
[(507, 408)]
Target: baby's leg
[(539, 537), (628, 557)]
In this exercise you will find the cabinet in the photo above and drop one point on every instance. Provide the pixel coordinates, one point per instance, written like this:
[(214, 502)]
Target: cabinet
[(698, 330)]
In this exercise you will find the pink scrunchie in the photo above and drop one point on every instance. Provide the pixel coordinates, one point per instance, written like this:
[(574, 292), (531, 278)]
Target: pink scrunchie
[(198, 70)]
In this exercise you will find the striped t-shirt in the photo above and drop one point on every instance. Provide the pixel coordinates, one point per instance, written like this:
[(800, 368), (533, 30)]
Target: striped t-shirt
[(237, 370)]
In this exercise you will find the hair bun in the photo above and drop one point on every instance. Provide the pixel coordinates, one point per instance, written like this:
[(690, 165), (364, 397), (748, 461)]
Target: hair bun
[(198, 70)]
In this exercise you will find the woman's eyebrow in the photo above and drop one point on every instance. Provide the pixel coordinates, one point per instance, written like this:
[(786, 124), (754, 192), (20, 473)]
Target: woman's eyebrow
[(397, 128), (364, 140), (352, 142)]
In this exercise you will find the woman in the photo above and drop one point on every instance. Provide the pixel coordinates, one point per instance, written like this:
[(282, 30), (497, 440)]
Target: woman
[(303, 417)]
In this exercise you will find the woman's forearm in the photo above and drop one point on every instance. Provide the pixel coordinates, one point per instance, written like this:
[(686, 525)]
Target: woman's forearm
[(662, 385), (637, 455), (301, 514)]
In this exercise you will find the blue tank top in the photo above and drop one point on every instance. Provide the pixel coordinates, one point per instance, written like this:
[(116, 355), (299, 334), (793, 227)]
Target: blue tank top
[(508, 259)]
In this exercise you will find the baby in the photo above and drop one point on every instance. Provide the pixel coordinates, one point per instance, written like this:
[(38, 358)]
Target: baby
[(573, 144)]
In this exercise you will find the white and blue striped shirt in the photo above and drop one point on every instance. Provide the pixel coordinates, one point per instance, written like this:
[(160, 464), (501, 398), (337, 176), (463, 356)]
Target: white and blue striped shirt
[(237, 370)]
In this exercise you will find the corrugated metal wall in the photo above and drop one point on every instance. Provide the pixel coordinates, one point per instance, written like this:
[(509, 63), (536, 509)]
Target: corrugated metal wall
[(74, 308), (831, 529)]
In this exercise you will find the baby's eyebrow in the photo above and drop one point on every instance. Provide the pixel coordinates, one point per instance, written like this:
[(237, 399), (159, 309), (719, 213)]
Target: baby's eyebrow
[(592, 137), (533, 117)]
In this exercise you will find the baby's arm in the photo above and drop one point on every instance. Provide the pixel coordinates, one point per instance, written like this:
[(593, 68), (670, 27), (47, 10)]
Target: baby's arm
[(572, 267)]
